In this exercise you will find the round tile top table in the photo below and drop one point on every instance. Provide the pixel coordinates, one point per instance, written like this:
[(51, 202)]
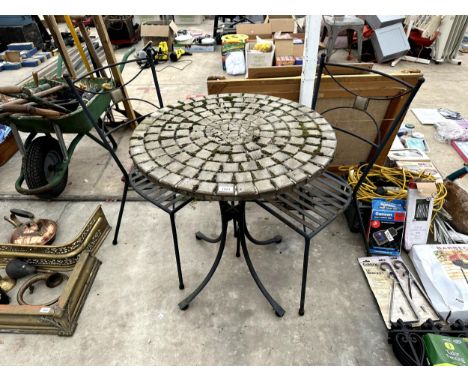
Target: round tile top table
[(233, 146)]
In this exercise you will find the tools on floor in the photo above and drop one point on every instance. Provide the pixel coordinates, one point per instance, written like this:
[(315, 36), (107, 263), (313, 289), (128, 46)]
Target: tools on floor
[(178, 53), (398, 294), (159, 54)]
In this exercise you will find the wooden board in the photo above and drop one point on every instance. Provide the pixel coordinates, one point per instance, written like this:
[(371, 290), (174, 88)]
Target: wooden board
[(296, 70), (90, 46), (287, 87), (332, 95), (56, 35), (111, 60), (275, 71)]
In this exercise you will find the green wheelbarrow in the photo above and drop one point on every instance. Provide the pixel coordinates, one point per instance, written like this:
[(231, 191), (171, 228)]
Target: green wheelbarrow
[(45, 158)]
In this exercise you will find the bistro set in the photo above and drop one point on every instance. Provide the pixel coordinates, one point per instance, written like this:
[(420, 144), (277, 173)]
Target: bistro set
[(240, 148)]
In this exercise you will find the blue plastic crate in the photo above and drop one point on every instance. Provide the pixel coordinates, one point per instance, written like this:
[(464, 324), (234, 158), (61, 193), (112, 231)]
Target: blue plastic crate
[(20, 46)]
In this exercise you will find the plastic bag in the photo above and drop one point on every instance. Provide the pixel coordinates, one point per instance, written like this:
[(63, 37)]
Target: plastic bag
[(263, 46), (4, 132), (451, 130), (235, 63)]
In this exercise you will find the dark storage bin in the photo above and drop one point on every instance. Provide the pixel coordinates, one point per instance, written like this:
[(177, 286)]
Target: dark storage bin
[(121, 29), (22, 33), (15, 20)]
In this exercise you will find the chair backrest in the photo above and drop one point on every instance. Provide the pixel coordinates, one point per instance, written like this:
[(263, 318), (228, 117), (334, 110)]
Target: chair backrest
[(369, 127)]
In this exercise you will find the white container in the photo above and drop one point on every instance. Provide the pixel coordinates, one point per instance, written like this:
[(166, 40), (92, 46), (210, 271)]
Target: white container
[(255, 59), (419, 205), (189, 20)]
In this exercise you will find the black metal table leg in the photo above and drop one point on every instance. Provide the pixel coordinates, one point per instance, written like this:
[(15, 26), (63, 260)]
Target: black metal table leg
[(201, 236), (236, 213), (242, 234), (184, 304), (274, 240)]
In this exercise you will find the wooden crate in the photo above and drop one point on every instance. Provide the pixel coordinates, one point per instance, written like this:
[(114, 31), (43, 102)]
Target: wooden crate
[(8, 148)]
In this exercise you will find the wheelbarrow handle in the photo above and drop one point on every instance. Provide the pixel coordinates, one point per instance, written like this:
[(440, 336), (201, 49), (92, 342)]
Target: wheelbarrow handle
[(125, 58), (28, 109), (11, 89)]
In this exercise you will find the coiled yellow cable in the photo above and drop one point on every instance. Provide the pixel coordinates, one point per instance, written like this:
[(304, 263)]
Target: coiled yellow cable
[(397, 177)]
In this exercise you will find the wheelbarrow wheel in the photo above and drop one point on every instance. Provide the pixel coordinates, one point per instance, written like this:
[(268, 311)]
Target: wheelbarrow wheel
[(41, 164)]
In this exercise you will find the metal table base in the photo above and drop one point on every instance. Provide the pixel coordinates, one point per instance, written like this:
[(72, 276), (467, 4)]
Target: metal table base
[(236, 213)]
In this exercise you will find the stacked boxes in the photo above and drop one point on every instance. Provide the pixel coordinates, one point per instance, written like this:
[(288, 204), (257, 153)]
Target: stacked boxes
[(22, 55)]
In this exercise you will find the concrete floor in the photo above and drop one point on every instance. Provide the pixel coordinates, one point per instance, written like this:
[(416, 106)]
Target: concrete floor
[(131, 315)]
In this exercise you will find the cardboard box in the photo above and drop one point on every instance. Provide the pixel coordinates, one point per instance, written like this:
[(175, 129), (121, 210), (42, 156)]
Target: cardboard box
[(446, 351), (285, 45), (419, 205), (284, 60), (285, 25), (385, 232), (253, 30), (418, 166), (158, 31), (256, 59), (12, 56), (407, 155)]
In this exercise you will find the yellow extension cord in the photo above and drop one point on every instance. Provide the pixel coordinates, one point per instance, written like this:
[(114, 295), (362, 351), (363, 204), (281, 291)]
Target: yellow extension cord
[(399, 178)]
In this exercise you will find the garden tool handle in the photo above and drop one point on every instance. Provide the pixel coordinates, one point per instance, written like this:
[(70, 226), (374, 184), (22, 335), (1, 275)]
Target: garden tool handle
[(28, 109), (42, 93), (11, 89)]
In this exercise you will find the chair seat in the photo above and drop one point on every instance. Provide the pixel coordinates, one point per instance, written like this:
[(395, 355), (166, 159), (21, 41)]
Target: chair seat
[(309, 208), (344, 21), (167, 200)]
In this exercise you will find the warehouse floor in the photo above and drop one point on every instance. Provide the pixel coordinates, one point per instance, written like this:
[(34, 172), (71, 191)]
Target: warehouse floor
[(131, 315)]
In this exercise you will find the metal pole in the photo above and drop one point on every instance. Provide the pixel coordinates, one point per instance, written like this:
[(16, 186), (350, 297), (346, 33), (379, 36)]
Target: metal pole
[(309, 65)]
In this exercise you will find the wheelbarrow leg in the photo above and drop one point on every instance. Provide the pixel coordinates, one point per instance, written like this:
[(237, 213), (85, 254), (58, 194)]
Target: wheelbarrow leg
[(63, 146), (18, 140)]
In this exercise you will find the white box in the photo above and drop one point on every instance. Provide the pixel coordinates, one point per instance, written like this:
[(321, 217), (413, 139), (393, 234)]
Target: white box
[(441, 270), (255, 59), (419, 205)]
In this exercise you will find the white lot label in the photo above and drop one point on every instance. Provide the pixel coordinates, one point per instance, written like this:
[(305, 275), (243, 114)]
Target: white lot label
[(225, 188), (44, 310)]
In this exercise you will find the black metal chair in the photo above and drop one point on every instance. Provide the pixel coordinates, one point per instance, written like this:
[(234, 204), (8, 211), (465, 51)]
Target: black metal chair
[(309, 208), (167, 200), (170, 202)]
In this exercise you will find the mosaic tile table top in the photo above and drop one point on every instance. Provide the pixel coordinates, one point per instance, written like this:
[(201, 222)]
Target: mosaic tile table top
[(233, 146)]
